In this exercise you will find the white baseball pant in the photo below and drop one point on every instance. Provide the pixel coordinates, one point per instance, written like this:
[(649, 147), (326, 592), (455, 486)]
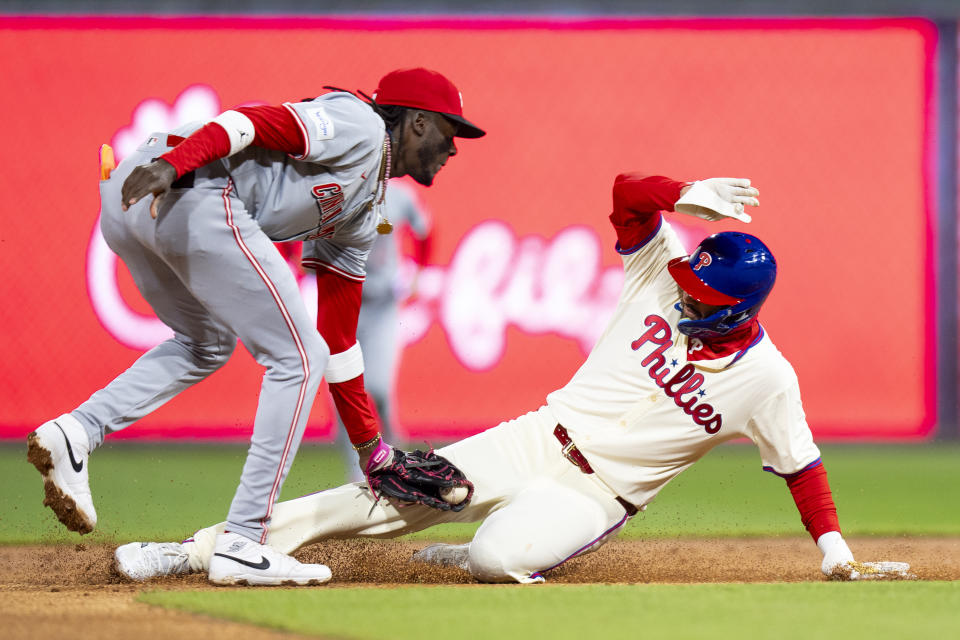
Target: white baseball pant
[(538, 509)]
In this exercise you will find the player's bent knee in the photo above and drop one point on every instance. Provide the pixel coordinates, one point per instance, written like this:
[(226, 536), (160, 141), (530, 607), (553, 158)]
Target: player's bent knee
[(485, 563), (490, 564), (218, 356), (207, 358)]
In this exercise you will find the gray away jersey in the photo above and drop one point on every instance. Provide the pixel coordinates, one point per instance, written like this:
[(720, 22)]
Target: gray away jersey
[(327, 192), (359, 253)]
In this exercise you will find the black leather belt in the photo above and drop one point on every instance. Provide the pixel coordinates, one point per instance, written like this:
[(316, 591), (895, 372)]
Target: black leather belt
[(577, 459)]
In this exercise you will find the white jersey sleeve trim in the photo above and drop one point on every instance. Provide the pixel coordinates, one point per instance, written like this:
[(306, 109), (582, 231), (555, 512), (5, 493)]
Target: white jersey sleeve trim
[(345, 365), (303, 131), (316, 265), (239, 128)]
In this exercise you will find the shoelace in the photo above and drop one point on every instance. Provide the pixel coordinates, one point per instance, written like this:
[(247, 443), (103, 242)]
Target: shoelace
[(169, 559)]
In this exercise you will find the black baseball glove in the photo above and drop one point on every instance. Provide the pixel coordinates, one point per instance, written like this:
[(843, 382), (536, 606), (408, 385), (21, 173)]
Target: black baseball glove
[(416, 477)]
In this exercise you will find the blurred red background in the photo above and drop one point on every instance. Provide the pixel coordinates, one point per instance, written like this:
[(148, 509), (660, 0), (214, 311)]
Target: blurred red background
[(829, 118)]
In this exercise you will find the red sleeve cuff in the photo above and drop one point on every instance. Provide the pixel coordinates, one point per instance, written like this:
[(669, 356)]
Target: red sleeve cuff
[(274, 128), (637, 203), (353, 406), (811, 492), (208, 143)]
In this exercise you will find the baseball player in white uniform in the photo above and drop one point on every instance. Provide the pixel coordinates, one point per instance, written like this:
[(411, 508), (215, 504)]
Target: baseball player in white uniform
[(204, 259), (683, 366)]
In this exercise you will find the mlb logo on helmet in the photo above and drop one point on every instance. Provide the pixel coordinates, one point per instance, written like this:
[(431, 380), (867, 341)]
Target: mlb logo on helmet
[(730, 269)]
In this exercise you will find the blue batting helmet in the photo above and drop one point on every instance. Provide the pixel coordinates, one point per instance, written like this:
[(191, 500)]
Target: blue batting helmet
[(732, 269)]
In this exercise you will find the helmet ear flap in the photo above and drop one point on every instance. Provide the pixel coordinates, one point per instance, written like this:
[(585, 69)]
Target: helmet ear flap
[(720, 323)]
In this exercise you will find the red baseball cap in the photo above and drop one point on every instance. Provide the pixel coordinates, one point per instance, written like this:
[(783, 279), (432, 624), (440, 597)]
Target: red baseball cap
[(421, 88)]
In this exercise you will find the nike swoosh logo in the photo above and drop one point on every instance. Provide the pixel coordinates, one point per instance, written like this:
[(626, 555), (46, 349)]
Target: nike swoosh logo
[(77, 466), (263, 564)]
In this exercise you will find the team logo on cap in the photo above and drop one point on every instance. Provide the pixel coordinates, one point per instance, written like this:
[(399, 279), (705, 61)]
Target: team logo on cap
[(703, 260)]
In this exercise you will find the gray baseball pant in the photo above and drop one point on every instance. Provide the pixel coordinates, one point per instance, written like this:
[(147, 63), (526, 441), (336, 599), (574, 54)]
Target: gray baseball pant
[(212, 275)]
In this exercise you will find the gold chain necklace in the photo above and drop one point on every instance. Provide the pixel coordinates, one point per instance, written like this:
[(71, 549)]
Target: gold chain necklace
[(383, 227)]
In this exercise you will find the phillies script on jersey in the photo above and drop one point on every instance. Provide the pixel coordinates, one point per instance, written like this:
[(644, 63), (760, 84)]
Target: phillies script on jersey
[(685, 380)]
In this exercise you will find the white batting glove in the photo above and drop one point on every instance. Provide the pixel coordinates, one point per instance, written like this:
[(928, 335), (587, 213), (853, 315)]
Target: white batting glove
[(838, 563), (718, 198), (836, 553)]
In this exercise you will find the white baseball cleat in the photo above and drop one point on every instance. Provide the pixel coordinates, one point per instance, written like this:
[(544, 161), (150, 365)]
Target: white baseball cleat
[(141, 561), (444, 555), (239, 560), (59, 449)]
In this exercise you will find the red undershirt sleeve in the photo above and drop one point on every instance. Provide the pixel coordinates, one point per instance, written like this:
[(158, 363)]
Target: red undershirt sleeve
[(811, 492), (338, 305), (353, 405), (637, 203), (274, 128)]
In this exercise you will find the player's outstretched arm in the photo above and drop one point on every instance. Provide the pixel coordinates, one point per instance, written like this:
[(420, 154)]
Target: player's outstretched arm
[(415, 477), (271, 127), (811, 492), (338, 307), (838, 563)]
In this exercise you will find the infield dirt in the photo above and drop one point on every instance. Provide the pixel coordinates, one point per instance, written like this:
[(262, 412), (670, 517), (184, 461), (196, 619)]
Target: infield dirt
[(47, 589)]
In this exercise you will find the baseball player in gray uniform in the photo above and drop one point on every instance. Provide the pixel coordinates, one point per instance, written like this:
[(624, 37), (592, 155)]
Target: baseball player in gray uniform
[(201, 252), (683, 366)]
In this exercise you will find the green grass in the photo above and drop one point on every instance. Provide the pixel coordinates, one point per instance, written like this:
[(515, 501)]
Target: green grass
[(879, 490), (736, 611), (166, 492), (149, 492)]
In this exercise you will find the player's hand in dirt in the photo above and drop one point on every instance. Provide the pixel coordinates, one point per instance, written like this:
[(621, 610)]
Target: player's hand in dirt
[(838, 563), (835, 551), (154, 178)]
